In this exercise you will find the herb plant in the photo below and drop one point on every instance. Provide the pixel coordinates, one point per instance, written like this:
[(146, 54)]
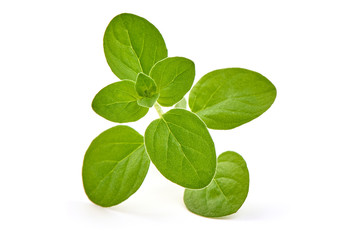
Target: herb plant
[(178, 143)]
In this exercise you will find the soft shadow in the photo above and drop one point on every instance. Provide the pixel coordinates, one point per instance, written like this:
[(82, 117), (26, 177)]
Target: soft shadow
[(253, 213), (145, 211), (78, 208), (258, 212)]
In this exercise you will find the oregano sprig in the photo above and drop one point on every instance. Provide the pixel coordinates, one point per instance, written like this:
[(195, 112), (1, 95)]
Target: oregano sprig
[(178, 143)]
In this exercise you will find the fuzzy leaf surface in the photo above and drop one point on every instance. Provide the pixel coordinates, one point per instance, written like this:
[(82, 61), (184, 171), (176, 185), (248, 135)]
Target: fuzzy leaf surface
[(181, 148), (117, 102), (227, 191), (115, 166), (174, 77), (132, 45), (145, 85), (148, 101), (228, 98)]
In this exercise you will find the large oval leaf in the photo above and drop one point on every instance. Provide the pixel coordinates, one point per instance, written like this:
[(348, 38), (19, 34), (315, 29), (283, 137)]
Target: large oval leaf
[(115, 166), (132, 45), (228, 98), (117, 102), (174, 77), (181, 148), (227, 191)]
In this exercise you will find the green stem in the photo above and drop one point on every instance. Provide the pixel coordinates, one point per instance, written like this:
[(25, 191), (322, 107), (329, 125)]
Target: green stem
[(158, 109)]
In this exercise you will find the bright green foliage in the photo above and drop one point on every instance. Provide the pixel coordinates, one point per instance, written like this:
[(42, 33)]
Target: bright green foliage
[(147, 90), (227, 191), (174, 77), (145, 85), (181, 148), (117, 102), (132, 45), (148, 101), (228, 98), (182, 104), (178, 143), (115, 166)]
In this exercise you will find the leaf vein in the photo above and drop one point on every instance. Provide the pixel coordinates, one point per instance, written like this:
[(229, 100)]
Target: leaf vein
[(112, 170), (182, 151)]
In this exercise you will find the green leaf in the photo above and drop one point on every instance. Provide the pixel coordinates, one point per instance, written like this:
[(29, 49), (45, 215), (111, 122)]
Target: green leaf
[(115, 166), (148, 101), (174, 77), (181, 104), (228, 98), (181, 148), (132, 45), (145, 85), (117, 102), (227, 191)]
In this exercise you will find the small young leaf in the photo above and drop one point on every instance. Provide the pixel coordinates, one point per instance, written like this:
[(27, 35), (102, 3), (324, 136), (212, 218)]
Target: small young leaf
[(181, 148), (148, 101), (227, 191), (115, 166), (117, 102), (181, 104), (132, 45), (228, 98), (174, 77), (145, 85)]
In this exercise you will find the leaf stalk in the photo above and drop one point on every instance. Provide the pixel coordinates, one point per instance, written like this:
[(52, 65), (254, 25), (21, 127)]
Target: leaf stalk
[(158, 109)]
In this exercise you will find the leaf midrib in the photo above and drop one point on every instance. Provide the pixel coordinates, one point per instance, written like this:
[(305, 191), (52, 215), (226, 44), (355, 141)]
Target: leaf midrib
[(177, 141), (133, 49), (113, 169), (119, 102), (175, 77), (129, 46), (221, 190), (205, 106)]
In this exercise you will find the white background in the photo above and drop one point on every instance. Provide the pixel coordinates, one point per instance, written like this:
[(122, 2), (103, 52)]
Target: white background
[(303, 153)]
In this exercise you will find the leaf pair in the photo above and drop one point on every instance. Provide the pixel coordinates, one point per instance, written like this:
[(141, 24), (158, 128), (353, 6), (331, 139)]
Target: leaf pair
[(116, 164), (147, 90), (136, 51), (169, 80), (128, 101)]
